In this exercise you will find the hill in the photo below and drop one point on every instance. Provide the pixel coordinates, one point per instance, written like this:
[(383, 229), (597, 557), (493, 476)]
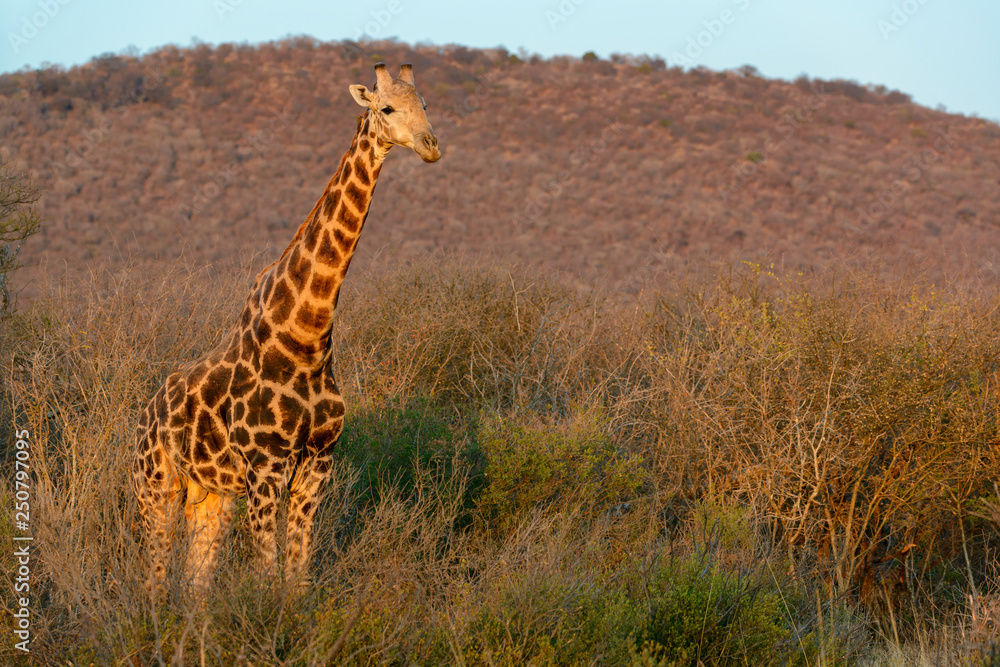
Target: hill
[(607, 169)]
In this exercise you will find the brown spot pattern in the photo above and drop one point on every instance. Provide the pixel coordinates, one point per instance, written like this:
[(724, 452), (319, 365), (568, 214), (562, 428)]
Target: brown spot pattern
[(361, 170), (355, 195)]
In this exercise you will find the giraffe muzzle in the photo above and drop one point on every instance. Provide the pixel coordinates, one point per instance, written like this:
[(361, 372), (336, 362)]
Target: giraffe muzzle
[(426, 146)]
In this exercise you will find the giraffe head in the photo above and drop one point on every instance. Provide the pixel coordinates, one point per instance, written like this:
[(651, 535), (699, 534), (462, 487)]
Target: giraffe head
[(397, 111)]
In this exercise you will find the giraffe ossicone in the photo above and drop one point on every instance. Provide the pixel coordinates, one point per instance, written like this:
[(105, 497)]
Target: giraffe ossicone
[(262, 409)]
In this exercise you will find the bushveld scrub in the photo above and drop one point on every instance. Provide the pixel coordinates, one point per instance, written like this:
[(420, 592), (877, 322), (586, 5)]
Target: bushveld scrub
[(812, 167), (756, 469), (18, 220)]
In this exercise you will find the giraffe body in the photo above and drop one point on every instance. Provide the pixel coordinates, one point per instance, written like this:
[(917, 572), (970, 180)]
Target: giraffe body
[(262, 411)]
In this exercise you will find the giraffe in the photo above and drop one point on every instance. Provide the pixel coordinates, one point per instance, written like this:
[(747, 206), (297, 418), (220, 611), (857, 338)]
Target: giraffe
[(262, 411)]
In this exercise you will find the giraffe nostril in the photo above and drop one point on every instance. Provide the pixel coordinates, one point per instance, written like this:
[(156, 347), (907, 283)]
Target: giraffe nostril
[(430, 141)]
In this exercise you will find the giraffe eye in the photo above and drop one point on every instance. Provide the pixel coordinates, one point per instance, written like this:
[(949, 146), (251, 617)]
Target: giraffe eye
[(387, 110)]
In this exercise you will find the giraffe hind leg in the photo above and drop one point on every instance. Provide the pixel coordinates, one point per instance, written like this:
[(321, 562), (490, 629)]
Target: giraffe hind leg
[(305, 494), (262, 510), (160, 492)]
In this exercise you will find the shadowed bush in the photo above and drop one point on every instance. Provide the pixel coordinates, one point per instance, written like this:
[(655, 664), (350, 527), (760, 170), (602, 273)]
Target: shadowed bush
[(391, 443)]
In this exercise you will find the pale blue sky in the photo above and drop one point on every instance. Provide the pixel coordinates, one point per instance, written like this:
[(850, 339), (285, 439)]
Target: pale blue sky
[(940, 52)]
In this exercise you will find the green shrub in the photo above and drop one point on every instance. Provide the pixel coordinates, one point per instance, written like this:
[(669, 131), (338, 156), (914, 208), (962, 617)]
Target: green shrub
[(364, 625), (532, 465), (719, 600), (731, 528), (553, 620), (700, 611)]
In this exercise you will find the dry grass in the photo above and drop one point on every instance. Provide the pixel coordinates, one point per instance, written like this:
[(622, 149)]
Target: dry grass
[(758, 469)]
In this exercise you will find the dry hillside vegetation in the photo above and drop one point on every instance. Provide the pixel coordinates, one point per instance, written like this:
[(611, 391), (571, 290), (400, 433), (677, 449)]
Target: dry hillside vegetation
[(754, 468), (608, 169)]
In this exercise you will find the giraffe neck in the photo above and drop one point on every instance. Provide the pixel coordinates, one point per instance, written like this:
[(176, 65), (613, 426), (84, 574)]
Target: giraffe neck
[(299, 296)]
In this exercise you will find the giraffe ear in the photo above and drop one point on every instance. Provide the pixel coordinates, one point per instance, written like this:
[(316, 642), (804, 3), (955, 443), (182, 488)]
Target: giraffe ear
[(361, 95)]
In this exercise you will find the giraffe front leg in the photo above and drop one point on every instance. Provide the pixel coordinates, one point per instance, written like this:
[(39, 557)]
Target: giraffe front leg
[(305, 494), (262, 508), (208, 517)]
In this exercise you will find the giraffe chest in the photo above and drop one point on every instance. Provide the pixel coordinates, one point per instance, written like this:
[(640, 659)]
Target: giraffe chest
[(285, 417), (270, 431), (251, 407)]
